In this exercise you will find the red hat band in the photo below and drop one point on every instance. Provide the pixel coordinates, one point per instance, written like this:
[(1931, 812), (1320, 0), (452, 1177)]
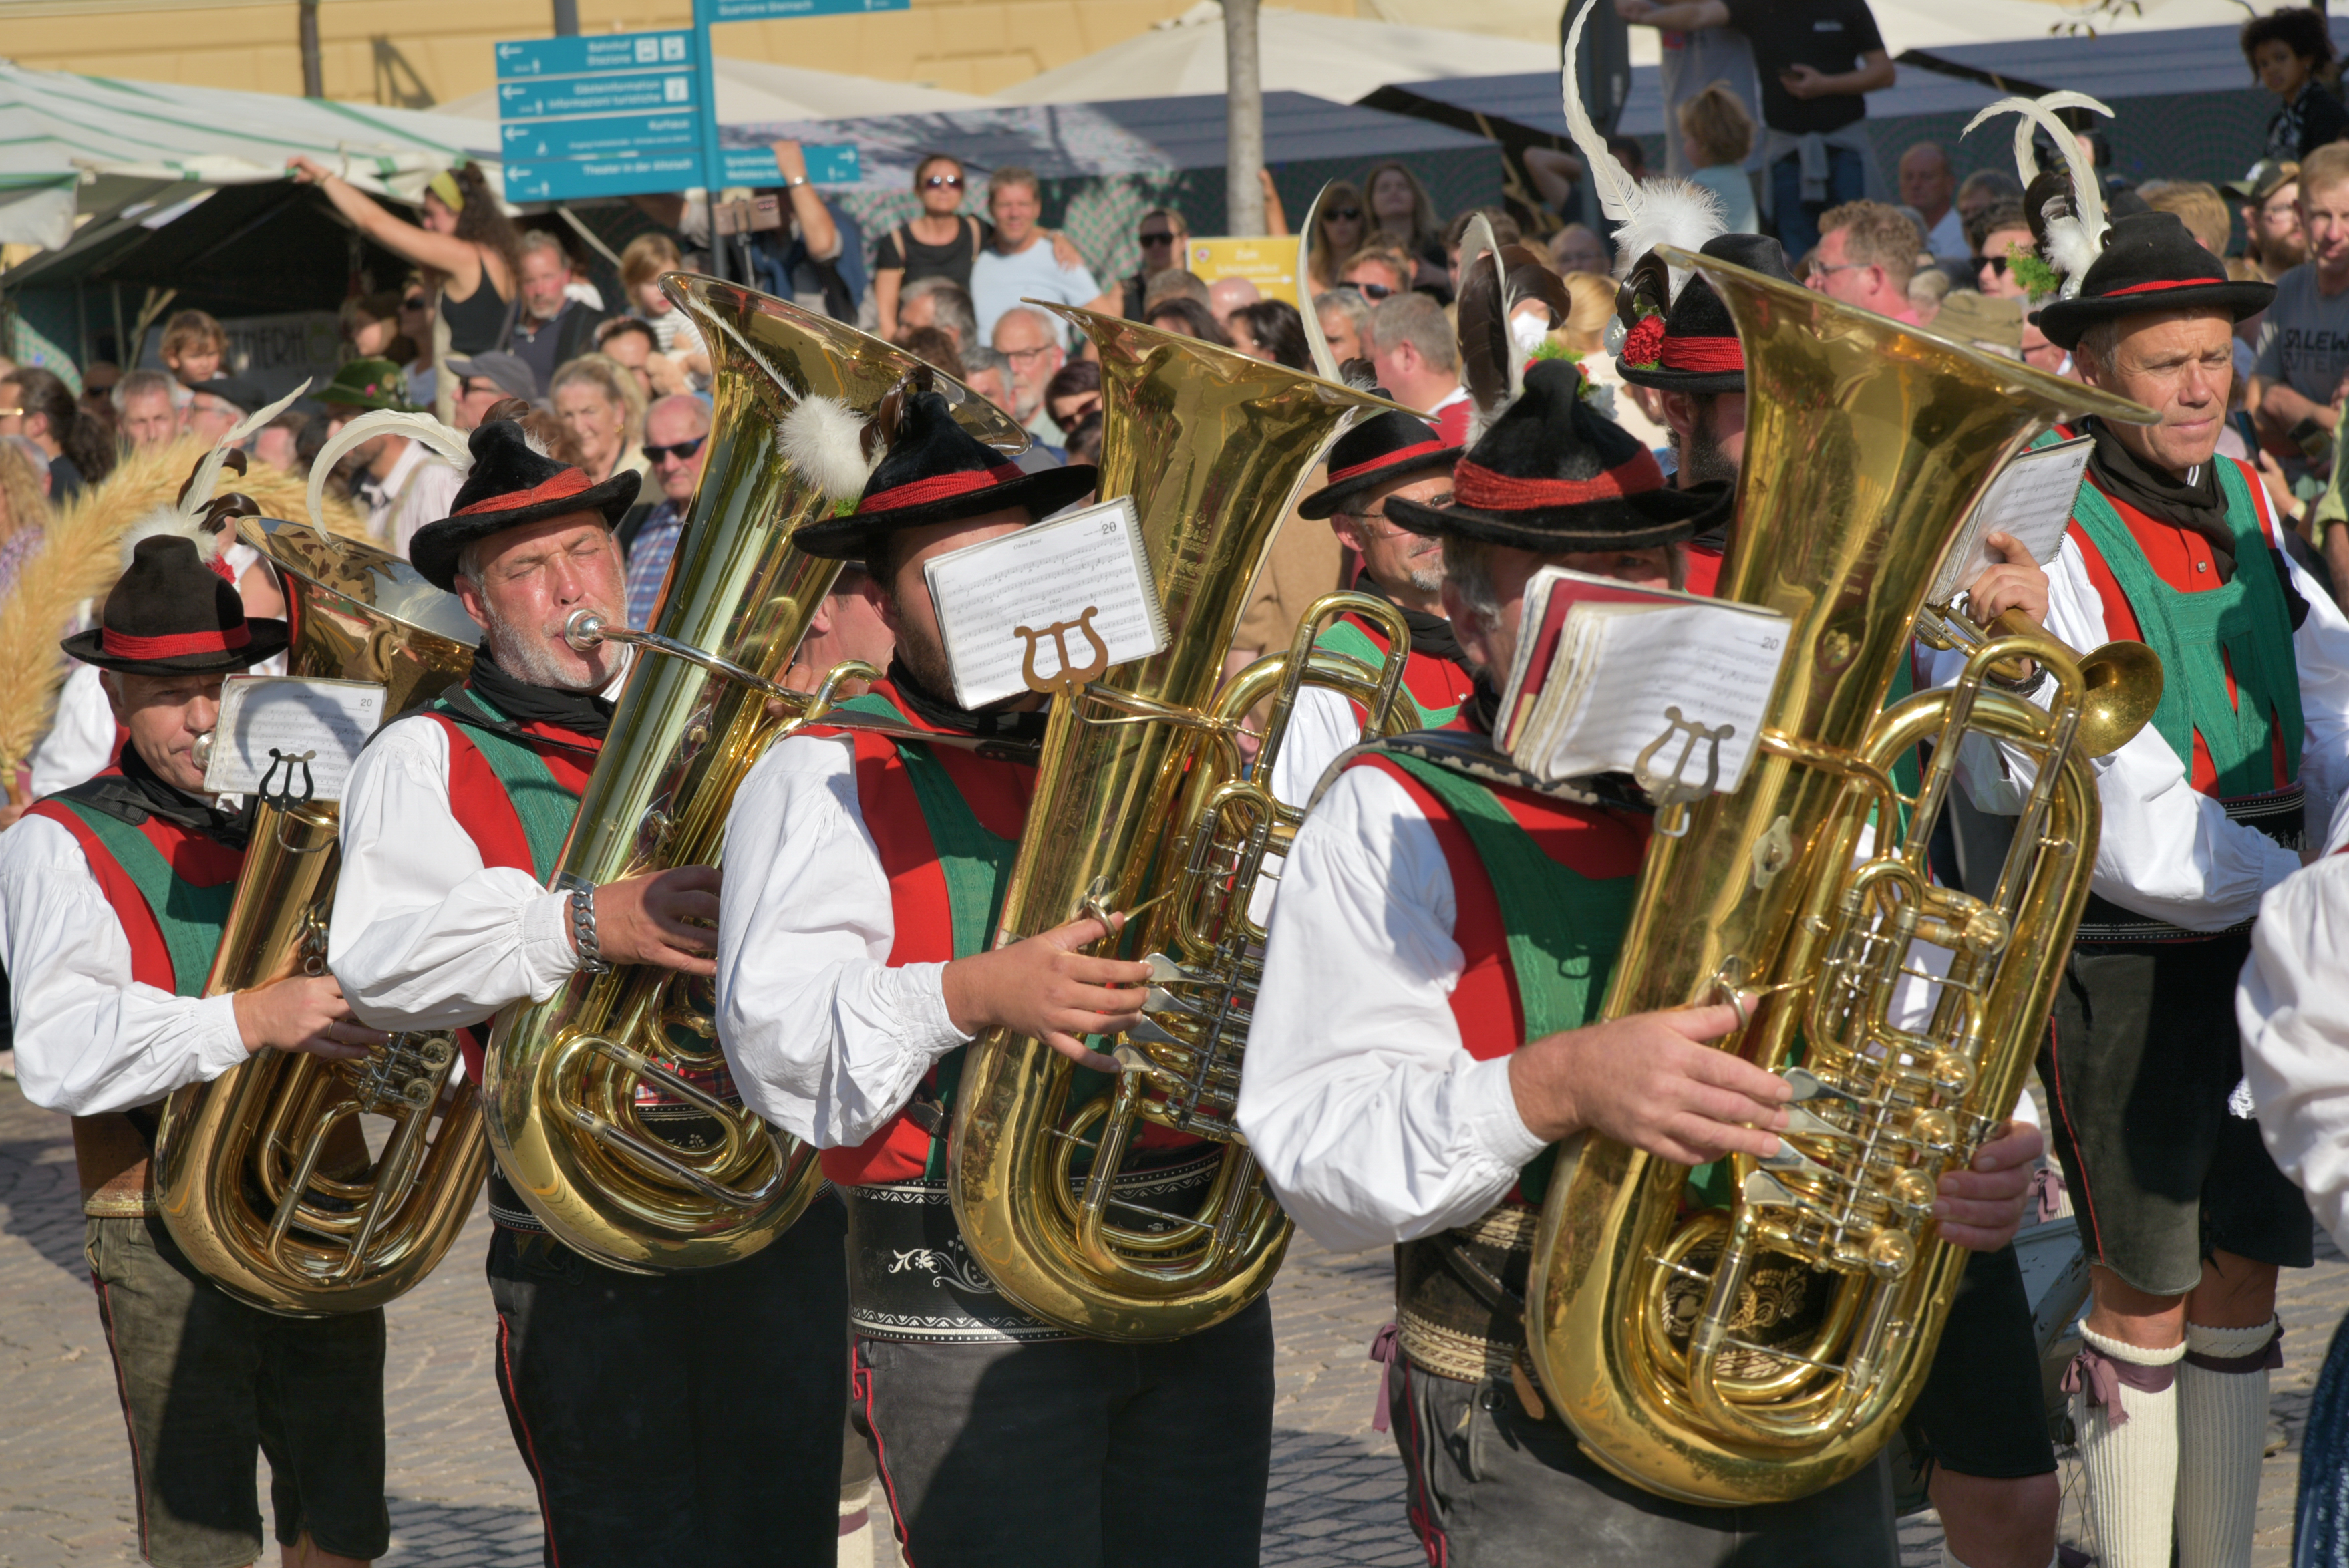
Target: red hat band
[(569, 482), (173, 645), (1474, 485), (938, 486), (1428, 449)]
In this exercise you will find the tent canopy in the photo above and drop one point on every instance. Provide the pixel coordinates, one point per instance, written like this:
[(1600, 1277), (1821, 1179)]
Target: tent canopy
[(751, 90), (1302, 51), (73, 145)]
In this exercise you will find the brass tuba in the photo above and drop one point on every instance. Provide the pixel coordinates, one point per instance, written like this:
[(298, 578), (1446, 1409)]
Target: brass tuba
[(263, 1175), (688, 1178), (1767, 1349), (1139, 803)]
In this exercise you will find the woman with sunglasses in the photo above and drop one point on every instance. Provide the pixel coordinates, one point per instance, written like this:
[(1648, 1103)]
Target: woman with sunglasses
[(1161, 236), (1337, 235), (939, 241)]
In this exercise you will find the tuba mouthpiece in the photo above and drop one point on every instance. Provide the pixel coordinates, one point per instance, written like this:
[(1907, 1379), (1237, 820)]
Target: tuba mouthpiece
[(584, 630)]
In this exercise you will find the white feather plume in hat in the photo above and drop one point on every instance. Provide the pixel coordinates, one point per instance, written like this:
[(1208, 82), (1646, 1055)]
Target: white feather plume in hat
[(449, 446), (186, 517), (2074, 235), (1662, 212), (822, 438)]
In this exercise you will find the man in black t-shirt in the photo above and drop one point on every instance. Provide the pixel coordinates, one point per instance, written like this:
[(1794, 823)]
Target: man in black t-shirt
[(1816, 59)]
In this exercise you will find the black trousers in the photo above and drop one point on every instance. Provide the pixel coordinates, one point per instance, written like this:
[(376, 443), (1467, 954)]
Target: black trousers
[(1075, 1453), (680, 1420)]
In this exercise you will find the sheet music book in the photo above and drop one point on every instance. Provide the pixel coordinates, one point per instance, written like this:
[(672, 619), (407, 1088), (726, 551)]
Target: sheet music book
[(1666, 685), (2030, 499), (1044, 576), (329, 719)]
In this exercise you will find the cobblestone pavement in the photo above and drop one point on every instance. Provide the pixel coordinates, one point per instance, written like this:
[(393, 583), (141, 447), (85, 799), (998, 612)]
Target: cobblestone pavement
[(461, 1500)]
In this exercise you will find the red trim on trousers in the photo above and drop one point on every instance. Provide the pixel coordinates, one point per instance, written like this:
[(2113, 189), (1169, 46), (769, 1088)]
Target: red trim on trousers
[(860, 1388), (2055, 1096), (529, 1444), (122, 1393)]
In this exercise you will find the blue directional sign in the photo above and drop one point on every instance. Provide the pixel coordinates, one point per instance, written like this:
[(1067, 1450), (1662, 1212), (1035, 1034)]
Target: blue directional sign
[(583, 56), (783, 10), (603, 137), (620, 113), (634, 93), (756, 166), (571, 179)]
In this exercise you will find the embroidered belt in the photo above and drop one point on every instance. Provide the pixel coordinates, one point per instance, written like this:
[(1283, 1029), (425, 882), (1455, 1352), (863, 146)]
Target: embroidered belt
[(911, 1276), (506, 1207), (2280, 816), (1460, 1296)]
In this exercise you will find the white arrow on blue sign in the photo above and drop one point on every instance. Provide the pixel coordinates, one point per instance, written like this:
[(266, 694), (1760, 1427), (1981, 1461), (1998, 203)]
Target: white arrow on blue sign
[(590, 54), (606, 136)]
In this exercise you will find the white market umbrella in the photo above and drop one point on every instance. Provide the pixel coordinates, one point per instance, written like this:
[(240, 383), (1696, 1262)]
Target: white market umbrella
[(1303, 51)]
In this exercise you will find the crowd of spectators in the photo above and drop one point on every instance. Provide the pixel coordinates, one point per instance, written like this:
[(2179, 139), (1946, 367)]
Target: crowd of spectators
[(1765, 111)]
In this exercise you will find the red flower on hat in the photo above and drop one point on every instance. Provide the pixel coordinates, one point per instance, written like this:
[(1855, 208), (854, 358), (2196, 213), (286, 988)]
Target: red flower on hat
[(1644, 344)]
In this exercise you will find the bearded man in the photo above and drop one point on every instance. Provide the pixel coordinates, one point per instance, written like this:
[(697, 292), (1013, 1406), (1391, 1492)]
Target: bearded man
[(681, 1418)]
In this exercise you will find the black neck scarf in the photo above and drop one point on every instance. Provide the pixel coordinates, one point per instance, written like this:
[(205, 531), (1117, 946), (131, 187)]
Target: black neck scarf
[(2198, 506), (2195, 503), (1430, 636), (138, 793), (1483, 709), (996, 721), (580, 712)]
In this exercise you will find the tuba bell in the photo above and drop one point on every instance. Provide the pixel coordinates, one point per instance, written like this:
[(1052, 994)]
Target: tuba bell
[(610, 1106), (263, 1175), (1765, 1348), (1139, 803)]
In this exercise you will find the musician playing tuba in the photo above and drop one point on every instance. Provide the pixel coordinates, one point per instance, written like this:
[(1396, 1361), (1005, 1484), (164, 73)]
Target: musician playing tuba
[(666, 1419), (854, 966), (1404, 1081), (113, 897)]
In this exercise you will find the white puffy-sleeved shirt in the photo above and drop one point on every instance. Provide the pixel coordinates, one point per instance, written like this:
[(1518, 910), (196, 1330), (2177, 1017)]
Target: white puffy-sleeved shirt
[(89, 1038), (2293, 1007), (825, 1039), (2168, 851), (425, 935), (1359, 1098)]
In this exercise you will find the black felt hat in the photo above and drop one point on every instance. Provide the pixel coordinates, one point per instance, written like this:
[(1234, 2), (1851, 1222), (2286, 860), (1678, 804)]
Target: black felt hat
[(511, 484), (936, 472), (1692, 346), (1378, 451), (171, 615), (1553, 474), (2150, 262)]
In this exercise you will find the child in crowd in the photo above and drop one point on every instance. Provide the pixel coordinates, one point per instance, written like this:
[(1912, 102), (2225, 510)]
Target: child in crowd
[(194, 347), (1718, 133), (641, 266), (2289, 51)]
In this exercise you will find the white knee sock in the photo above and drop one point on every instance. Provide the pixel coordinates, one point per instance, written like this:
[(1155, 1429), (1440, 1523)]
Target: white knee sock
[(2131, 1461), (2222, 1425)]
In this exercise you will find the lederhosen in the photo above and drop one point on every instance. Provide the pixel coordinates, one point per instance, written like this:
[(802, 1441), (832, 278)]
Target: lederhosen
[(2145, 1052), (1542, 889), (204, 1379), (669, 1421), (1437, 687), (940, 1353)]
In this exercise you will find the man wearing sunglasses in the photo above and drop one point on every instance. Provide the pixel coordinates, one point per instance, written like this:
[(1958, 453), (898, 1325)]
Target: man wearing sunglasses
[(486, 380), (677, 429), (1162, 237)]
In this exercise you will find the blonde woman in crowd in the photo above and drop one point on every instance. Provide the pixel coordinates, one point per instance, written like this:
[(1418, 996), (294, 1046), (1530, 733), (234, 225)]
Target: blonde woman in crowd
[(602, 412), (1338, 231), (1585, 333)]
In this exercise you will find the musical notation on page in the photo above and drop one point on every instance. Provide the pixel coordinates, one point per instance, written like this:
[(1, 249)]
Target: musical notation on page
[(329, 719), (1084, 567)]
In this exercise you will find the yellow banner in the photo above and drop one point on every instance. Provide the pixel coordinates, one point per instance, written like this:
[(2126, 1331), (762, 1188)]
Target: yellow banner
[(1271, 265)]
